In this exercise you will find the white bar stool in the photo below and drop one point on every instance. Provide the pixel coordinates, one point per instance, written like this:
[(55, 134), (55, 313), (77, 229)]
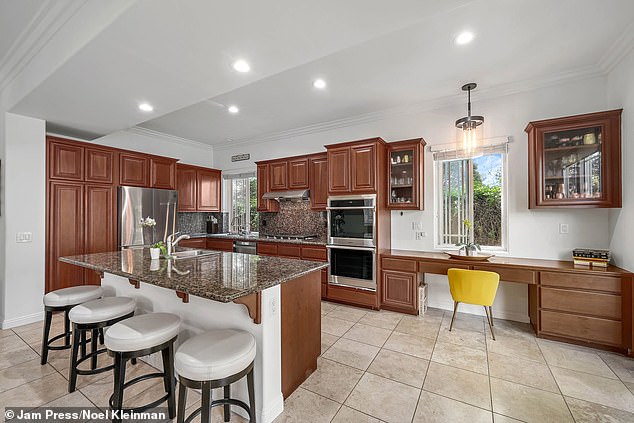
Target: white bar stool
[(93, 316), (63, 300), (211, 360), (136, 337)]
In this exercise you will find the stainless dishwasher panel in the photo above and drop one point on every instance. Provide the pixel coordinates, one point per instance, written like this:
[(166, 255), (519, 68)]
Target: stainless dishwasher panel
[(245, 247)]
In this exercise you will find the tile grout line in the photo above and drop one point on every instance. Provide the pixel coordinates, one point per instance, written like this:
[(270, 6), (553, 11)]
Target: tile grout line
[(556, 382), (486, 350)]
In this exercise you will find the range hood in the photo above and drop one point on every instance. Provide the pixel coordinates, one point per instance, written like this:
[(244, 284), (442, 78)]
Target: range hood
[(293, 195)]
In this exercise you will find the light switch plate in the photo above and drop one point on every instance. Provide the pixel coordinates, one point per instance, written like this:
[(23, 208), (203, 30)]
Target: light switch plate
[(24, 237), (563, 228)]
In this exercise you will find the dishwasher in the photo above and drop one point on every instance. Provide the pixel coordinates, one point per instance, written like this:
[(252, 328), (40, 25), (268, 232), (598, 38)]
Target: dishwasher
[(246, 247)]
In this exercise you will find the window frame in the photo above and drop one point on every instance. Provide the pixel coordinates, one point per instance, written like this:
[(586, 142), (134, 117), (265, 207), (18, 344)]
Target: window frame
[(246, 179), (439, 210)]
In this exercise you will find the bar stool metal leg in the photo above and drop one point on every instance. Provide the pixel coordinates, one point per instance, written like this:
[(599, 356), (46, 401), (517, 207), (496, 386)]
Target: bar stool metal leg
[(206, 402), (48, 317), (251, 387), (93, 348), (72, 377), (66, 327), (227, 407), (182, 400), (119, 381), (169, 380)]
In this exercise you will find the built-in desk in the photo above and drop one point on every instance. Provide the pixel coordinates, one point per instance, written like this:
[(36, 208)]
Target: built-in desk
[(577, 304)]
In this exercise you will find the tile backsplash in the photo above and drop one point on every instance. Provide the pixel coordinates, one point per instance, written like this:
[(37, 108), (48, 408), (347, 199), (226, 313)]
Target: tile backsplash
[(197, 222), (294, 218)]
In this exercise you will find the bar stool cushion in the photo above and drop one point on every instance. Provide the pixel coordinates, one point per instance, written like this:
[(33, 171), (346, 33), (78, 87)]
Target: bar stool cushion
[(142, 331), (214, 355), (102, 310), (72, 295)]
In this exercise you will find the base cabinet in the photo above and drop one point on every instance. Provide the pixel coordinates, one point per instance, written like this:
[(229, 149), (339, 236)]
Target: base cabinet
[(194, 243), (399, 291), (220, 244)]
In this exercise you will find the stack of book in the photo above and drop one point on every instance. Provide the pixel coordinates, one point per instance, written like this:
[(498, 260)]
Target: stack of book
[(591, 257)]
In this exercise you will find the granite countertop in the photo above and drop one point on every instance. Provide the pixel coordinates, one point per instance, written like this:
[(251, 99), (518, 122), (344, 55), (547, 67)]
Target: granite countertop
[(311, 241), (221, 276)]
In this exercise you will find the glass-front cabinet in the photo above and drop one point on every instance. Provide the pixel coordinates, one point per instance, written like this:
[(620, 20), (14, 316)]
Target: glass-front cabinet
[(406, 175), (575, 161)]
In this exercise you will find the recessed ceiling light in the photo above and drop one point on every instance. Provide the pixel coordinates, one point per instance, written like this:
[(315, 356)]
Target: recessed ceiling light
[(464, 38), (146, 107), (233, 109), (241, 66), (319, 83)]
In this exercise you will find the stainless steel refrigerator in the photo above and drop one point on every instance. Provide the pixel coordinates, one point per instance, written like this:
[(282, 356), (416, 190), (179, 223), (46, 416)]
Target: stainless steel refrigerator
[(136, 204)]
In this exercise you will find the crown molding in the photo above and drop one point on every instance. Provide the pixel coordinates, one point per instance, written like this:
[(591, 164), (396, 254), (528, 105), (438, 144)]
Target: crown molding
[(51, 16), (139, 130), (587, 72), (617, 52)]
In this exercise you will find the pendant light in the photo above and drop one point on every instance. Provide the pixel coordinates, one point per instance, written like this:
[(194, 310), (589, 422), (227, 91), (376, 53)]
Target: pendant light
[(467, 139)]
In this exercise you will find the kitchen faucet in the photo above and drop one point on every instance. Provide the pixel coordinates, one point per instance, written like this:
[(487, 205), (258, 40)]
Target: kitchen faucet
[(172, 243)]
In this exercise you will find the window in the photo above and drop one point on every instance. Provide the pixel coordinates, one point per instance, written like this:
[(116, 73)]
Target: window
[(243, 214), (473, 189)]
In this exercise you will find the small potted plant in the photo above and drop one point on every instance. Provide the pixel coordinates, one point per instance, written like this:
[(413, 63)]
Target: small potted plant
[(469, 247), (157, 249)]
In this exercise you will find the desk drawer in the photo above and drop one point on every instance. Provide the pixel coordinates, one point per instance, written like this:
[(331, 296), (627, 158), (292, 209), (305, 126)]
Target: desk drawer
[(575, 280), (590, 329), (591, 303), (401, 265), (509, 275), (439, 268)]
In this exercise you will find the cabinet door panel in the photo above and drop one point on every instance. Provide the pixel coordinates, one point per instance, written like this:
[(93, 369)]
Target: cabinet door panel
[(186, 185), (208, 190), (267, 249), (100, 233), (162, 173), (134, 170), (66, 161), (298, 174), (339, 170), (66, 234), (278, 176), (263, 187), (319, 183), (285, 250), (399, 291), (99, 166), (220, 244), (194, 243), (363, 163)]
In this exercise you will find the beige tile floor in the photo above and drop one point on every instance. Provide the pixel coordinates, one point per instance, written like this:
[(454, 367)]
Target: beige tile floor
[(383, 366)]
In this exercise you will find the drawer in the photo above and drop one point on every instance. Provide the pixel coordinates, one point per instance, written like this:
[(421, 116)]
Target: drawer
[(402, 265), (314, 253), (194, 243), (575, 280), (285, 250), (439, 268), (267, 249), (589, 329), (509, 275), (220, 244), (591, 303)]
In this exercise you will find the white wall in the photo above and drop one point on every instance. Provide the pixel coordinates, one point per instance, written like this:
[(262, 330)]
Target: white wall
[(3, 219), (621, 95), (531, 233), (24, 211)]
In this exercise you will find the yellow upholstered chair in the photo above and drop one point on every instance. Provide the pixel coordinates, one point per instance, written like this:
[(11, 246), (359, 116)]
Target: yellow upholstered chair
[(473, 287)]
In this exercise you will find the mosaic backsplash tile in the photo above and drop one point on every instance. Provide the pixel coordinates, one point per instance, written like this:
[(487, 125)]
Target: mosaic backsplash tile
[(197, 222), (294, 218)]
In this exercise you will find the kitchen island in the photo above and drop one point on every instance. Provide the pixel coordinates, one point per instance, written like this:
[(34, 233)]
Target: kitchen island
[(276, 299)]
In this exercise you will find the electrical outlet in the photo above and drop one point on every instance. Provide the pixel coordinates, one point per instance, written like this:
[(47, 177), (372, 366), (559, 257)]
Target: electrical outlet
[(273, 306), (24, 237), (563, 228), (421, 235)]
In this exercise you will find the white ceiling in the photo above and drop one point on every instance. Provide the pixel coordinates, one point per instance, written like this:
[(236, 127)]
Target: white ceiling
[(375, 55)]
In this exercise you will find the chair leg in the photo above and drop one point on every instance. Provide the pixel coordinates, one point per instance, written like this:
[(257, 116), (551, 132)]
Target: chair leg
[(168, 379), (83, 343), (486, 310), (251, 386), (101, 341), (206, 403), (119, 381), (453, 316), (67, 328), (182, 402), (48, 317), (227, 407), (72, 370), (93, 349), (491, 314)]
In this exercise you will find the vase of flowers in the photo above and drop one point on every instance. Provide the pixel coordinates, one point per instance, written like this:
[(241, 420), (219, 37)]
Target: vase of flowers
[(470, 248), (148, 224), (157, 249)]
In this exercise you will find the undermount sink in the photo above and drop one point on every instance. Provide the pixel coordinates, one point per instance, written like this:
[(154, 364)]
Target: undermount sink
[(178, 255)]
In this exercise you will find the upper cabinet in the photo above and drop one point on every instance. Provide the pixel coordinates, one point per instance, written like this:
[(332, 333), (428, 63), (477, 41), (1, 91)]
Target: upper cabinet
[(318, 169), (263, 187), (66, 161), (278, 175), (575, 161), (406, 174), (298, 173), (354, 167), (199, 188), (100, 165), (134, 169), (162, 173)]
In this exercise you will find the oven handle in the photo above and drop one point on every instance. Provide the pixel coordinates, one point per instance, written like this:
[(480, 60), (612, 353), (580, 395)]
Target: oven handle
[(345, 247), (352, 208)]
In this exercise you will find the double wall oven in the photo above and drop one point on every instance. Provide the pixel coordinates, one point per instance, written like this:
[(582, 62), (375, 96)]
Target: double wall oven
[(352, 241)]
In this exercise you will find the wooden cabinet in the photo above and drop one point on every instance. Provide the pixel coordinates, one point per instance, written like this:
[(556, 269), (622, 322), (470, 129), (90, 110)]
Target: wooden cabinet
[(339, 170), (219, 244), (406, 175), (162, 173), (278, 176), (186, 186), (298, 173), (267, 249), (194, 243), (134, 169), (575, 161), (65, 161), (399, 291), (364, 168), (100, 226), (353, 168), (263, 187), (199, 188), (318, 183), (100, 165)]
